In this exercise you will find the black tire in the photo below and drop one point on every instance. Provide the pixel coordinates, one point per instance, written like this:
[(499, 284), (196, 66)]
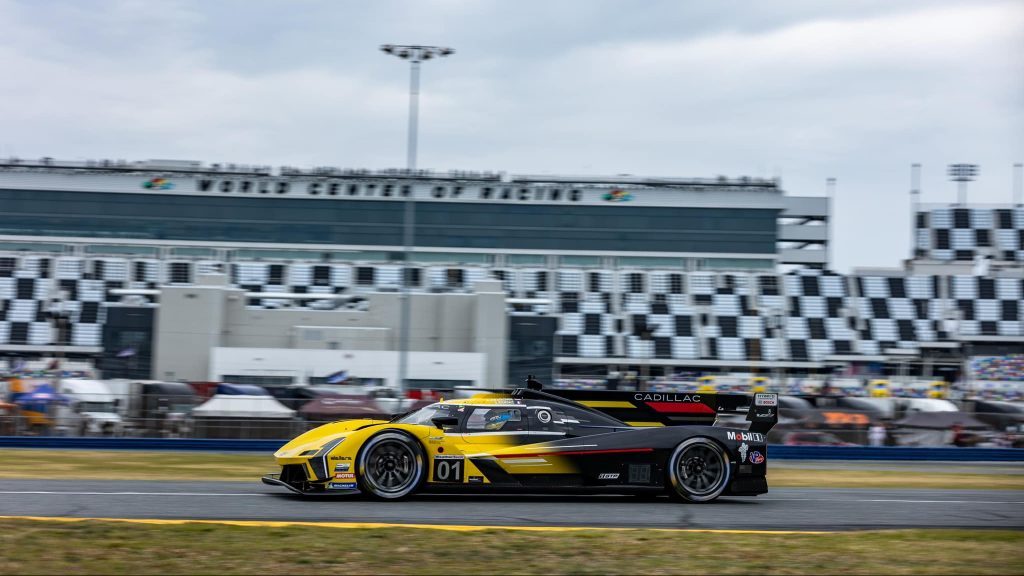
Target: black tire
[(390, 466), (698, 470)]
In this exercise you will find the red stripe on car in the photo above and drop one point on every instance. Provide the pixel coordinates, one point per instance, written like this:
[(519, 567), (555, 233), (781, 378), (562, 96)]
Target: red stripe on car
[(682, 407), (579, 452)]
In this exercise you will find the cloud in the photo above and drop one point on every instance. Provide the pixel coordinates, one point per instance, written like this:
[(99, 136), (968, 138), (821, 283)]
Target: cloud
[(808, 90)]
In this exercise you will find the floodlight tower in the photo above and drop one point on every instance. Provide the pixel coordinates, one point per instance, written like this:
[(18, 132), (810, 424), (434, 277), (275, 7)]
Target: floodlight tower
[(962, 174), (1018, 184), (415, 55)]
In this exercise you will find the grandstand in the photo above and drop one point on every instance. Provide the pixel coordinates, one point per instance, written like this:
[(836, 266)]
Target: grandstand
[(650, 275)]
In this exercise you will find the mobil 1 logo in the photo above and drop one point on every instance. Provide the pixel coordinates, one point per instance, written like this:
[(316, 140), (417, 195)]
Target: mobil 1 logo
[(448, 468)]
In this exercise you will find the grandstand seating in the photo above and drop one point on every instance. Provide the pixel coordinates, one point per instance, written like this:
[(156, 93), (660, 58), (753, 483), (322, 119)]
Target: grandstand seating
[(808, 315), (952, 233)]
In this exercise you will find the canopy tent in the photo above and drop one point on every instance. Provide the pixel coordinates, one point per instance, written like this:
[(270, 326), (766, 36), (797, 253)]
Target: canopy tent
[(241, 416), (341, 408), (1001, 415), (933, 428), (941, 421), (43, 394), (880, 408), (240, 406), (927, 405)]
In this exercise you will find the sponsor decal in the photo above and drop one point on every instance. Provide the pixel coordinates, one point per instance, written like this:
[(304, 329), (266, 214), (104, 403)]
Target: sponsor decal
[(756, 457), (745, 436), (449, 468), (158, 184), (341, 467), (667, 397), (341, 486), (476, 479), (344, 476), (543, 416), (608, 476), (766, 414), (743, 451), (766, 400), (341, 457), (617, 195)]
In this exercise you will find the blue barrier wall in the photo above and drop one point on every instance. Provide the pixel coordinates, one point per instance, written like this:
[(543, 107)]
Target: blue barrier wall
[(777, 452)]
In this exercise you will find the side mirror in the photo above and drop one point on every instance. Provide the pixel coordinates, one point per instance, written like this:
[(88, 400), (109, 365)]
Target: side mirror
[(442, 421)]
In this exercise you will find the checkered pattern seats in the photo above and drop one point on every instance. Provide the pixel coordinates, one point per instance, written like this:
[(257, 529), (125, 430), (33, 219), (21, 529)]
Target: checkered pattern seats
[(664, 314), (948, 234)]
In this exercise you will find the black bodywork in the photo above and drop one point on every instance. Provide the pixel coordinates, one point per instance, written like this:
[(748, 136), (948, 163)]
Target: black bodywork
[(611, 455)]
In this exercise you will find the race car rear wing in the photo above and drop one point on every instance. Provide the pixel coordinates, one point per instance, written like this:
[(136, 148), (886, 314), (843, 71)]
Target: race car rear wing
[(677, 408)]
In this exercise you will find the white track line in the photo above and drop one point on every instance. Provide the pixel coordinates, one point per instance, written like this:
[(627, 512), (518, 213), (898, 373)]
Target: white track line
[(904, 501), (892, 500), (131, 493)]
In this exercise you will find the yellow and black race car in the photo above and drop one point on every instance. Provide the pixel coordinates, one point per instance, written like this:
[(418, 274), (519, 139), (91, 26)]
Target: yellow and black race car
[(529, 440)]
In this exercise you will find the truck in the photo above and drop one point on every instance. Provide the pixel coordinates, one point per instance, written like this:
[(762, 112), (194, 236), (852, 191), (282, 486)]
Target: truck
[(92, 411)]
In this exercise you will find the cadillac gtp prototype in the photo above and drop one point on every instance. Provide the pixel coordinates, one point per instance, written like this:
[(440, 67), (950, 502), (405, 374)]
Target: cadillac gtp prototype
[(532, 441)]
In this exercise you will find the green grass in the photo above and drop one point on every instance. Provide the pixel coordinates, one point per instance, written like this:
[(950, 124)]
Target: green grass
[(134, 465), (93, 547)]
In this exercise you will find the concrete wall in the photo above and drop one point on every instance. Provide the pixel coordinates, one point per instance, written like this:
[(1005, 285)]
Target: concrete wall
[(189, 323), (303, 364), (192, 321)]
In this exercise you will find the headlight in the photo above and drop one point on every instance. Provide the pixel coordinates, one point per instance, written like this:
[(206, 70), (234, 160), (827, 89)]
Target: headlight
[(329, 446), (318, 462)]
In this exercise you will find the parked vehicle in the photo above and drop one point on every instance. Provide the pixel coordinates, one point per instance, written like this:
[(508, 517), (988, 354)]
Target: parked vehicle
[(93, 409)]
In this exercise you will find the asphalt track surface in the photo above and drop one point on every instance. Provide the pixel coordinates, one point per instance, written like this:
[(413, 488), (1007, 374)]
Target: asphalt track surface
[(781, 509)]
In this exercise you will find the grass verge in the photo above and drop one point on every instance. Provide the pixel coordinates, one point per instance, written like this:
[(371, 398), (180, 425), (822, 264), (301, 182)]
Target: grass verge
[(37, 547), (133, 465), (780, 477)]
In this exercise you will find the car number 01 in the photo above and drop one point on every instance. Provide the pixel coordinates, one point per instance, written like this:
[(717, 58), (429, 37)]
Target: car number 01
[(448, 468)]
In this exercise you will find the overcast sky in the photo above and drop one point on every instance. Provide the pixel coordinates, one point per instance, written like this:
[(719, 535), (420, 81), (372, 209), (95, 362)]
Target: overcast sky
[(804, 90)]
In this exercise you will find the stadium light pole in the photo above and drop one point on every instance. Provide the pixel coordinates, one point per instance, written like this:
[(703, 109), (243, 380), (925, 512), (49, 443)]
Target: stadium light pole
[(415, 55), (962, 174), (1018, 184), (915, 199)]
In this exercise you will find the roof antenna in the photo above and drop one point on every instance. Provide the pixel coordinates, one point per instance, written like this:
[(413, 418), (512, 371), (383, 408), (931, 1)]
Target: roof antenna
[(533, 384)]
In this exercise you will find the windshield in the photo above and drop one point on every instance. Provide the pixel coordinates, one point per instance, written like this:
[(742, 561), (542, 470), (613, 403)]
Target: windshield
[(423, 415), (96, 406)]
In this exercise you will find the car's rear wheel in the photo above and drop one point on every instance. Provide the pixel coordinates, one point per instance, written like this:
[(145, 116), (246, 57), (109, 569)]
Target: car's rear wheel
[(698, 470), (390, 466)]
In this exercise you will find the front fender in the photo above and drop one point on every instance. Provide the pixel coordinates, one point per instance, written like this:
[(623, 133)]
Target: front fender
[(317, 437)]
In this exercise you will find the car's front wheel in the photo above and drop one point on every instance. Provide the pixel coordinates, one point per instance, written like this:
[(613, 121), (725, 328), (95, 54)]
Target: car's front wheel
[(698, 470), (390, 466)]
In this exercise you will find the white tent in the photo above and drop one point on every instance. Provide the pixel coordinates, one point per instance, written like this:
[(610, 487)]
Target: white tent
[(243, 406)]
